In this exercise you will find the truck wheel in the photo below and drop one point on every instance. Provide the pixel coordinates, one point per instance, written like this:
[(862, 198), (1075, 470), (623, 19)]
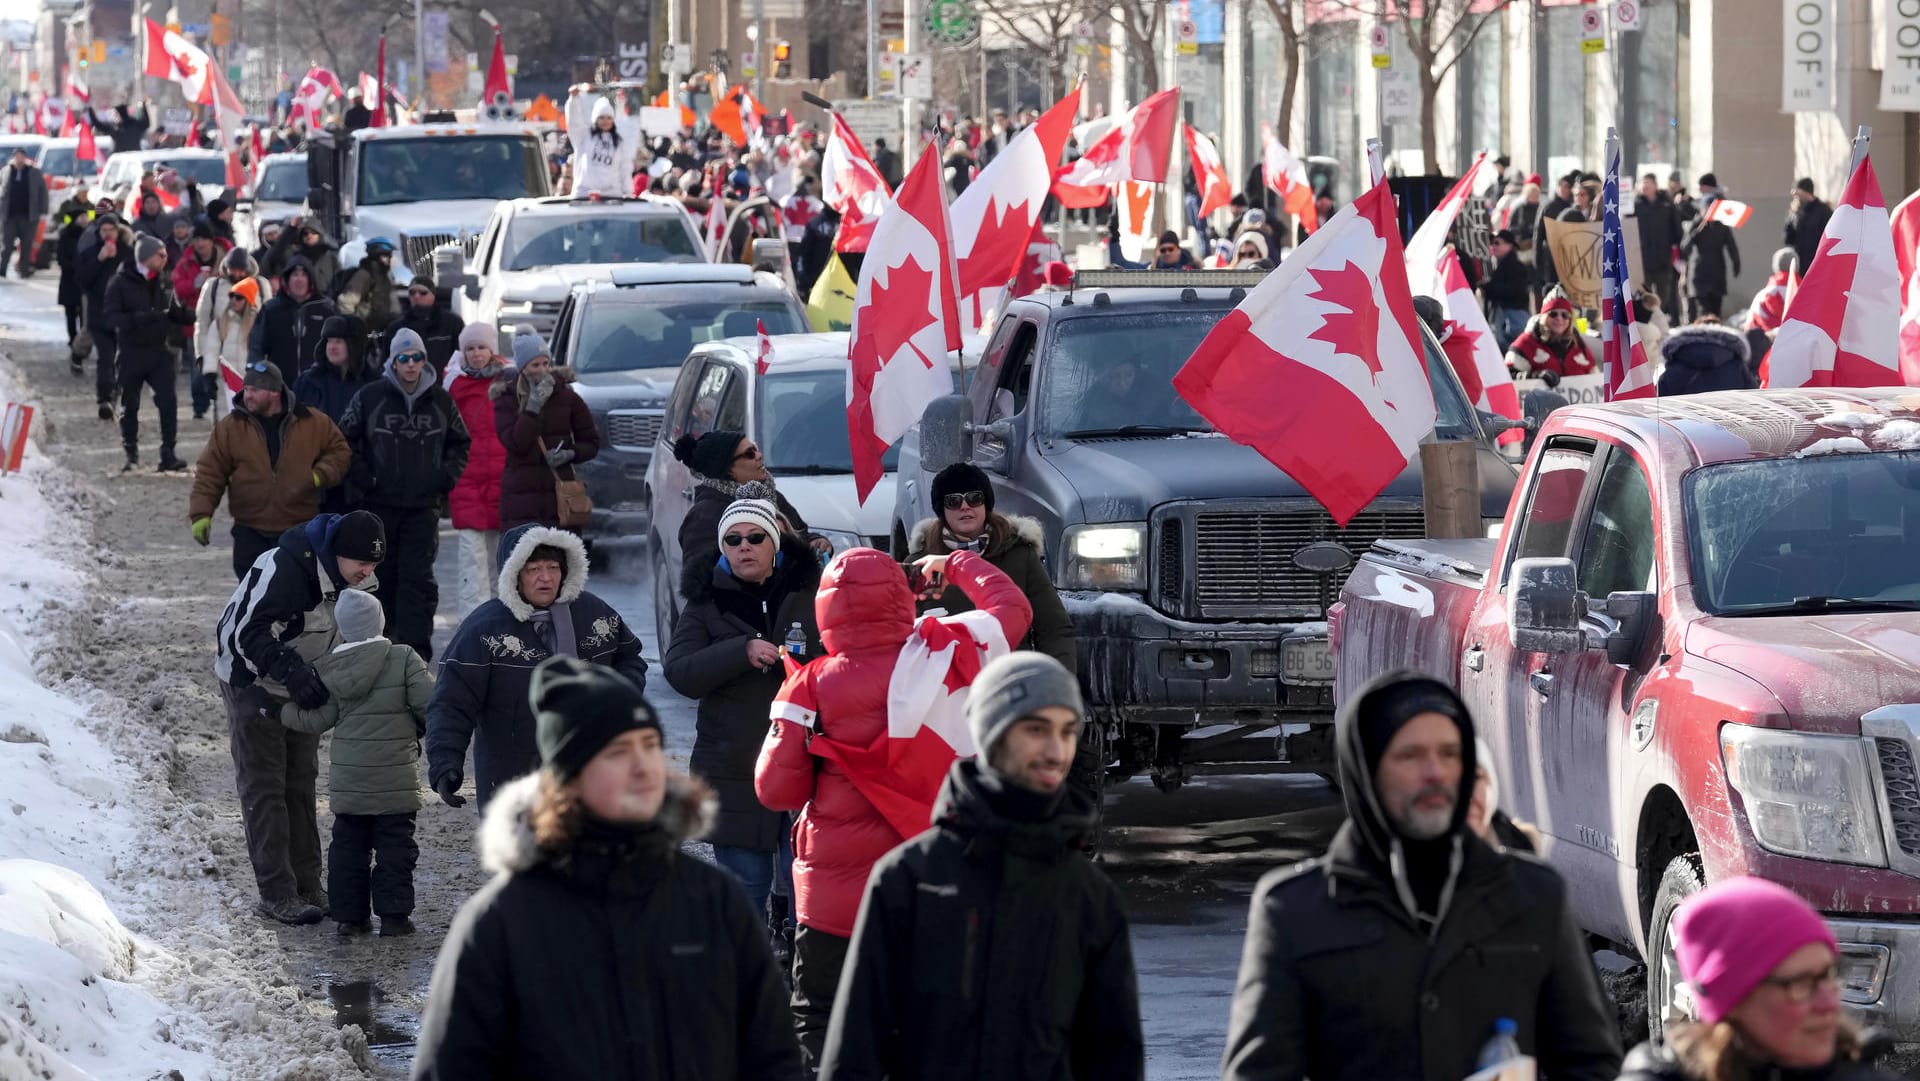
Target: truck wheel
[(1665, 989), (663, 613)]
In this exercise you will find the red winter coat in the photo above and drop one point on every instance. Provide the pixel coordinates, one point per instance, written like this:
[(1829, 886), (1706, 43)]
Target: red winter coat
[(475, 500), (866, 614), (526, 484), (186, 273)]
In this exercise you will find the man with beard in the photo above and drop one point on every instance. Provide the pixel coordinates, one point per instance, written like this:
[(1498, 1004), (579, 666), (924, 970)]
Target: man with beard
[(273, 457), (1398, 952)]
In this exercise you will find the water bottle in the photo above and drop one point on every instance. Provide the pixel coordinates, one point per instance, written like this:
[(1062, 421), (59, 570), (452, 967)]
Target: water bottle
[(1502, 1047), (796, 643)]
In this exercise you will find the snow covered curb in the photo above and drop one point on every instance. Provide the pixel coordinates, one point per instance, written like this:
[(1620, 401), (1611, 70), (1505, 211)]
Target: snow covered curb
[(121, 957)]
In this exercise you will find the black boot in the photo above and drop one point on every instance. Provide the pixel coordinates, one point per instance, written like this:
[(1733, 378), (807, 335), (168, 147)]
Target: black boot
[(133, 463), (354, 927), (395, 926), (106, 410), (169, 463)]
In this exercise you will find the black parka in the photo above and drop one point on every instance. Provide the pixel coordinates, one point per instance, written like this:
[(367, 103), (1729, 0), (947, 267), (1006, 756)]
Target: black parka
[(989, 948), (707, 661), (408, 449), (437, 326), (144, 317), (620, 959), (288, 331), (1339, 982)]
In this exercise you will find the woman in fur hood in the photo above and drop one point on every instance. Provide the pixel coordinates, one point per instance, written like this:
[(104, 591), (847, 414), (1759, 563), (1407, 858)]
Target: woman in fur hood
[(545, 427), (965, 519), (600, 949), (1704, 357)]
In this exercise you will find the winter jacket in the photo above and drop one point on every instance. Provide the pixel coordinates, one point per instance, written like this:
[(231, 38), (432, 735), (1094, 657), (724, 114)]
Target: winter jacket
[(1508, 286), (483, 680), (700, 529), (526, 482), (1806, 224), (275, 495), (36, 190), (143, 315), (288, 330), (332, 389), (218, 333), (439, 328), (1014, 546), (1769, 304), (281, 614), (322, 259), (75, 215), (1659, 232), (377, 709), (602, 161), (1660, 1062), (621, 958), (93, 275), (865, 613), (408, 449), (707, 662), (989, 949), (1534, 352), (1705, 357), (186, 275), (475, 501), (368, 295), (1710, 249), (1340, 981)]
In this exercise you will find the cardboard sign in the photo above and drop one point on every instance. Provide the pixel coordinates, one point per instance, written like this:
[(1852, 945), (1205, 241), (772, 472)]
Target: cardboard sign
[(1576, 257), (1576, 389)]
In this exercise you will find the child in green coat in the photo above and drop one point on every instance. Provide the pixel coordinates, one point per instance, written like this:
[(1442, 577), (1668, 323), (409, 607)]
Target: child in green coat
[(377, 707)]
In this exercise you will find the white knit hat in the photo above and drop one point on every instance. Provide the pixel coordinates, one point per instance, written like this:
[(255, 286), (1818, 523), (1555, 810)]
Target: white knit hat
[(758, 513)]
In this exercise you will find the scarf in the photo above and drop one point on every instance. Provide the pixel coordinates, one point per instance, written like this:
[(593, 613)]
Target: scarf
[(731, 488), (977, 545), (554, 625)]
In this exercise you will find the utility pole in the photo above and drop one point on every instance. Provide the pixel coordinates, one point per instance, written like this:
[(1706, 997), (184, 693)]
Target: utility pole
[(762, 49), (873, 47), (419, 94), (914, 29)]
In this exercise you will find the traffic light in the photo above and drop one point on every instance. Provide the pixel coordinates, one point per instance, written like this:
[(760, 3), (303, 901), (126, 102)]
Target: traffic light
[(782, 52)]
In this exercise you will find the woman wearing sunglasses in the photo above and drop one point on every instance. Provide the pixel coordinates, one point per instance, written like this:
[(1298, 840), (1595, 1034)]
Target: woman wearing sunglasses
[(1760, 964), (722, 462), (1551, 347)]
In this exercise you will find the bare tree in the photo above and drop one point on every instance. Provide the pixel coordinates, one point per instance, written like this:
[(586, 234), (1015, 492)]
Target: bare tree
[(1282, 11), (1438, 40), (1039, 27), (1143, 21)]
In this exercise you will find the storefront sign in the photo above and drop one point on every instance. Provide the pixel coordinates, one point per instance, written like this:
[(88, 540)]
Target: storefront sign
[(1806, 83), (1900, 57), (1576, 258)]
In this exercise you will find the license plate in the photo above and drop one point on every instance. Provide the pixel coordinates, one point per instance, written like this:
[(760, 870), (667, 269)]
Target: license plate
[(1306, 660)]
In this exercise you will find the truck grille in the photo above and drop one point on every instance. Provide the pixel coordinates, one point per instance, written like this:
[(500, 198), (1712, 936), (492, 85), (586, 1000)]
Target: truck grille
[(1244, 560), (418, 249), (632, 430), (1903, 792)]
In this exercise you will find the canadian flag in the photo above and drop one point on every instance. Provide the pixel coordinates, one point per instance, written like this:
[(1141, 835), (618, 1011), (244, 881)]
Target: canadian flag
[(716, 221), (1041, 250), (852, 187), (906, 319), (1137, 147), (1906, 252), (1424, 265), (763, 348), (1470, 348), (1731, 213), (170, 56), (1334, 326), (1286, 175), (87, 149), (310, 98), (1209, 172), (994, 219), (1842, 326)]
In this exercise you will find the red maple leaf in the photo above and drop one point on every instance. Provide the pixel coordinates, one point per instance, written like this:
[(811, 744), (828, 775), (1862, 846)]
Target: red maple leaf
[(1822, 298), (996, 248), (1355, 329), (893, 314)]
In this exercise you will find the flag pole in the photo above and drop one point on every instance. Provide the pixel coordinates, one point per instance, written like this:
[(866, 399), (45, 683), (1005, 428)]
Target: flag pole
[(1860, 140), (1376, 161)]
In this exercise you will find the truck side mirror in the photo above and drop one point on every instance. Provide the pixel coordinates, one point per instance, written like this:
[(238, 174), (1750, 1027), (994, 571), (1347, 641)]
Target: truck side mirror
[(1545, 606), (945, 434)]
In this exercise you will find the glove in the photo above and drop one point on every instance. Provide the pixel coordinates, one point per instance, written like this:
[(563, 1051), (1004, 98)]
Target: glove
[(202, 531), (538, 392), (317, 482), (1550, 377), (559, 456), (449, 789), (305, 688)]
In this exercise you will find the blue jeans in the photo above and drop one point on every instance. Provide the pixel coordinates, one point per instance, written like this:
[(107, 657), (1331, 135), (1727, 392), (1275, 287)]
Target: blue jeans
[(752, 867), (1507, 325)]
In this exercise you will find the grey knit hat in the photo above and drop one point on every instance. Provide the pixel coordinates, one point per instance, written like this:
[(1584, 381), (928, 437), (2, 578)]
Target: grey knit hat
[(1013, 687), (528, 346), (358, 615), (147, 247)]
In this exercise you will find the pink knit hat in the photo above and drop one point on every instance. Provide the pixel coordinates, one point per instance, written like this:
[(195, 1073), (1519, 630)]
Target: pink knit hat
[(1732, 934)]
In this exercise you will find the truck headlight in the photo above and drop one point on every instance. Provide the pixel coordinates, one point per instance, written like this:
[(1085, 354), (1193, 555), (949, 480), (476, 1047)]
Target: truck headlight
[(1806, 795), (516, 307), (1105, 557)]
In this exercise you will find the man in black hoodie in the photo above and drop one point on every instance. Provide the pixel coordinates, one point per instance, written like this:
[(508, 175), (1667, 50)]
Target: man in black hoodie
[(288, 331), (990, 946), (409, 449), (1397, 953), (426, 315), (105, 248), (144, 315)]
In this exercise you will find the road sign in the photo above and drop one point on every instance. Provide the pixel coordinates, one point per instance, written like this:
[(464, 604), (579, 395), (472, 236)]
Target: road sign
[(1626, 14), (1083, 38), (222, 30), (952, 22), (1593, 31), (177, 121), (916, 76), (1382, 48), (1189, 37), (679, 58), (749, 65), (871, 120)]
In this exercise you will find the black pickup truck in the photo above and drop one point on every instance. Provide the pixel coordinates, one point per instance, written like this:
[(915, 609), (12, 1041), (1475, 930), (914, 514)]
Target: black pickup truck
[(1197, 575)]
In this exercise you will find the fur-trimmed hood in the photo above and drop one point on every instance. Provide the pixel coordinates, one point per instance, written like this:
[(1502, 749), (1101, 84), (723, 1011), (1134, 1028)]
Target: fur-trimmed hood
[(1705, 345), (1007, 530), (516, 547), (506, 838), (509, 381)]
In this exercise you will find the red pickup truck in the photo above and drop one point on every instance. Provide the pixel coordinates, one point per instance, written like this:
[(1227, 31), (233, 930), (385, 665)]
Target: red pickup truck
[(1695, 652)]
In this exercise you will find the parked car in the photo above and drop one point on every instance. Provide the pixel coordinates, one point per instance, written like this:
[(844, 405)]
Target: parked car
[(206, 169), (66, 175), (625, 340), (797, 414), (534, 251), (1197, 575), (278, 192), (1695, 653)]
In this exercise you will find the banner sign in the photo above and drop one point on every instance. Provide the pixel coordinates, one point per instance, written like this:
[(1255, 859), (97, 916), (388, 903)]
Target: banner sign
[(1900, 58), (1806, 83)]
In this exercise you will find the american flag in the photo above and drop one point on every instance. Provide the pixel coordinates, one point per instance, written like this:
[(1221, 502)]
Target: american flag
[(1625, 359)]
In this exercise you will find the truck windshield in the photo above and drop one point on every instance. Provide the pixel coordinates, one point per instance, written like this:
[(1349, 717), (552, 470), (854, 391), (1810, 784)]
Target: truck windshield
[(628, 337), (537, 241), (65, 161), (450, 167), (1806, 534), (1114, 375), (802, 422), (283, 182)]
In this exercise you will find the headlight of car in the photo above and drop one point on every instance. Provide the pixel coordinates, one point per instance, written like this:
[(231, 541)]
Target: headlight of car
[(1105, 557), (1806, 795), (841, 539), (516, 307)]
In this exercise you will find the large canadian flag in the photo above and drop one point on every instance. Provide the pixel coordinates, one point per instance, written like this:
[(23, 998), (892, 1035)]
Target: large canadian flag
[(852, 187), (1209, 172), (1320, 368), (994, 219), (1470, 348), (1842, 326), (310, 98), (1286, 175), (170, 56), (1138, 146), (1424, 265), (906, 319)]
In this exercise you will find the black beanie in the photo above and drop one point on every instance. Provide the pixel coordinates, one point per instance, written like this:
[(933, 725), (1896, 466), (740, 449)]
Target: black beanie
[(710, 455), (1391, 707), (360, 536), (961, 477), (579, 707)]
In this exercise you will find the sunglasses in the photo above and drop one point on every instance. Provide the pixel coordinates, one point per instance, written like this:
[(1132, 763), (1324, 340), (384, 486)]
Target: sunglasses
[(1558, 315), (410, 358), (735, 540), (257, 366), (750, 454), (1168, 250), (956, 500)]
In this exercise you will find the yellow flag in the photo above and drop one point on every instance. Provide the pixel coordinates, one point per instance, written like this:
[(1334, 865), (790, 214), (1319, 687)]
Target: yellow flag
[(830, 305)]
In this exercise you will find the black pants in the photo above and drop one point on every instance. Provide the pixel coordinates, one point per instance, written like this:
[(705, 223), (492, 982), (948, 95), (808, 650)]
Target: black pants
[(17, 231), (250, 544), (407, 590), (1699, 304), (200, 386), (148, 368), (818, 958), (106, 370), (73, 322), (386, 842), (275, 770)]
